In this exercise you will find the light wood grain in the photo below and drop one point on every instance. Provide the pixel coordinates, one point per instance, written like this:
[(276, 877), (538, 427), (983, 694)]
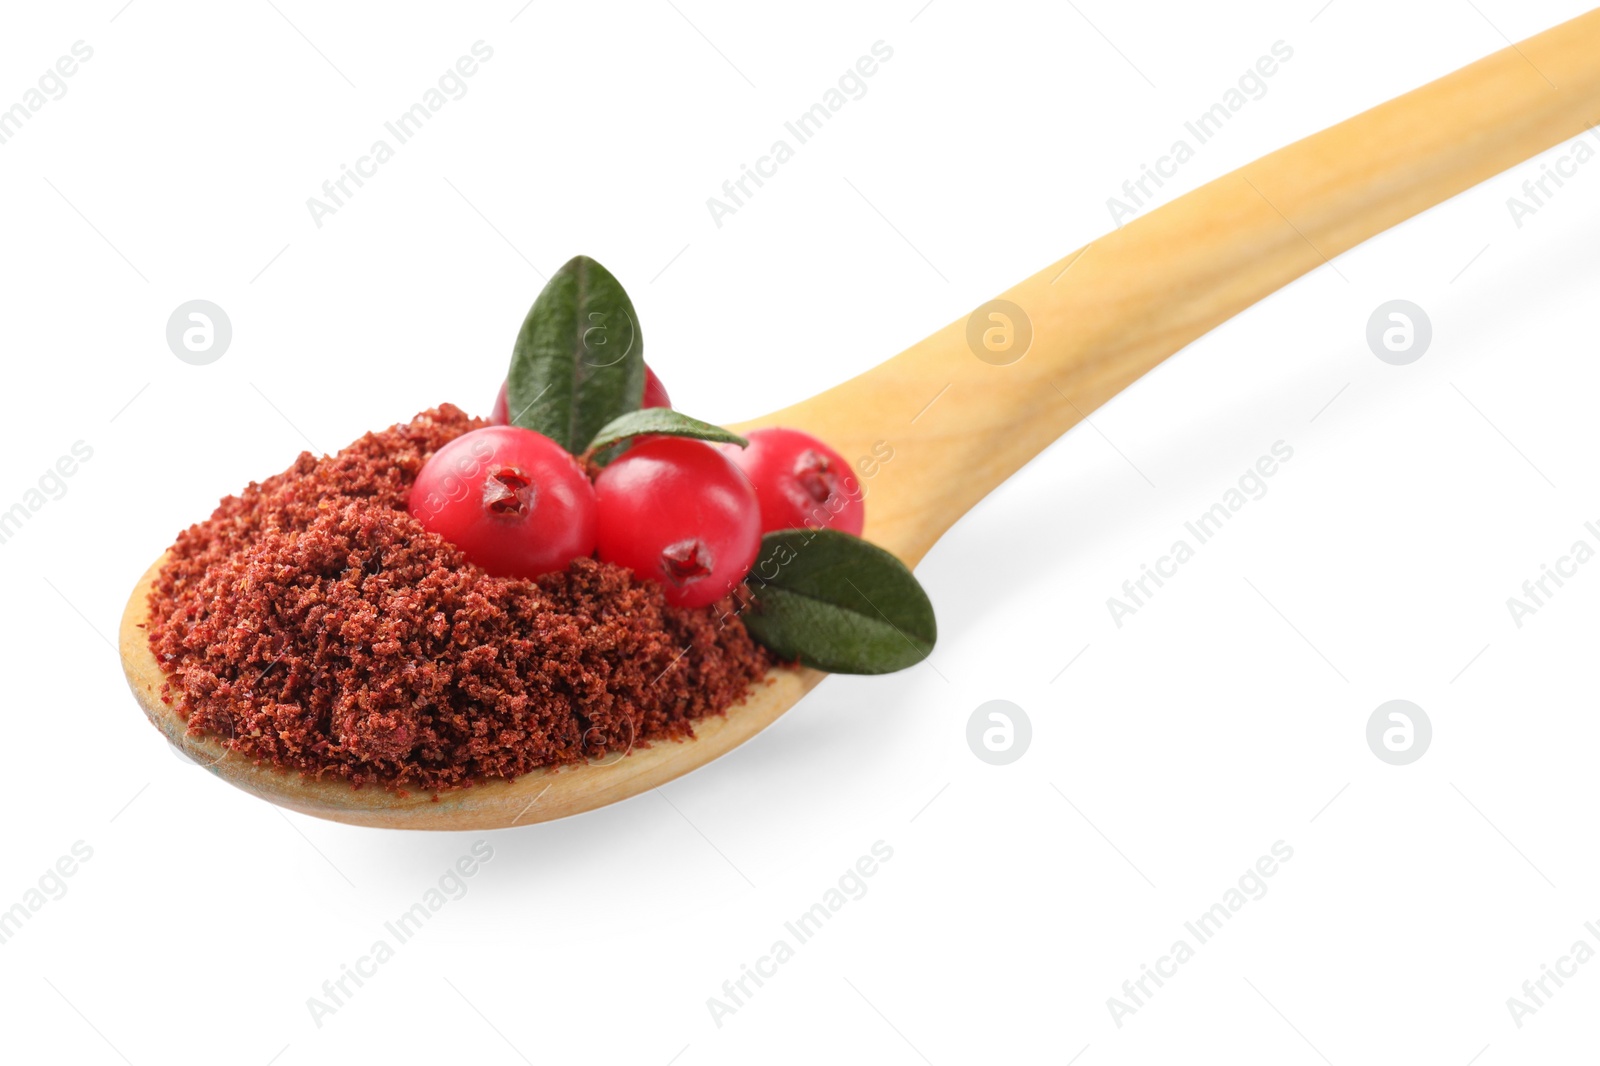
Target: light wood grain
[(1101, 318), (1107, 313)]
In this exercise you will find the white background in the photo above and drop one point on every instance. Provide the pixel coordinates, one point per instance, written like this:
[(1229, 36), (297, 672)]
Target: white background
[(1226, 715)]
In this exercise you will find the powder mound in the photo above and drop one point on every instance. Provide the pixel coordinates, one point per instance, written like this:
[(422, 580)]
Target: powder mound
[(313, 624)]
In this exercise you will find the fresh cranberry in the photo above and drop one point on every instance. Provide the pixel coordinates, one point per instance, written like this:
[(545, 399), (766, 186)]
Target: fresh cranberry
[(677, 511), (655, 395), (514, 501), (800, 482)]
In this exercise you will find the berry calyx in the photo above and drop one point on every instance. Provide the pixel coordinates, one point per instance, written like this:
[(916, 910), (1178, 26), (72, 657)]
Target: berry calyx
[(514, 501), (507, 492), (678, 512), (686, 560), (800, 482), (655, 395)]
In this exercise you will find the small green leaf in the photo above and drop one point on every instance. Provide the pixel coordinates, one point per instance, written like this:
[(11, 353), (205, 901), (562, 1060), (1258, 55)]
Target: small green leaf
[(662, 420), (838, 603), (578, 361)]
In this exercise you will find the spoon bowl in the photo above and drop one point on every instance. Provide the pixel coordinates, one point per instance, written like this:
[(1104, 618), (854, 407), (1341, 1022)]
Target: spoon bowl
[(491, 804), (964, 409)]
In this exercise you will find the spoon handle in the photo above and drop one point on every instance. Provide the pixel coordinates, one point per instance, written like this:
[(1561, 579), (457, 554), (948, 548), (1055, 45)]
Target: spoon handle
[(958, 425)]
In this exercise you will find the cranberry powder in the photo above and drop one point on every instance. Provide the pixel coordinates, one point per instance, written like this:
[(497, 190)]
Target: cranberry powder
[(312, 623)]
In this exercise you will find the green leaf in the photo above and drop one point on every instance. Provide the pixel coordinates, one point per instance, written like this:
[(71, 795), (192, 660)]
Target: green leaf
[(838, 603), (579, 358), (662, 420)]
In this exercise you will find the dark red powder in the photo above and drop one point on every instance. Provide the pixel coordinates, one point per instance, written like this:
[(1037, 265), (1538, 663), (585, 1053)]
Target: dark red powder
[(312, 623)]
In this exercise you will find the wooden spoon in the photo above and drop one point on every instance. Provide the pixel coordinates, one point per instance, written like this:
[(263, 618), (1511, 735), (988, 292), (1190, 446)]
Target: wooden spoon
[(960, 424)]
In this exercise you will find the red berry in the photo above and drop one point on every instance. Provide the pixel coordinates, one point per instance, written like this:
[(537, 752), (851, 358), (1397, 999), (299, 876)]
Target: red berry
[(514, 501), (677, 511), (800, 482), (655, 395)]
